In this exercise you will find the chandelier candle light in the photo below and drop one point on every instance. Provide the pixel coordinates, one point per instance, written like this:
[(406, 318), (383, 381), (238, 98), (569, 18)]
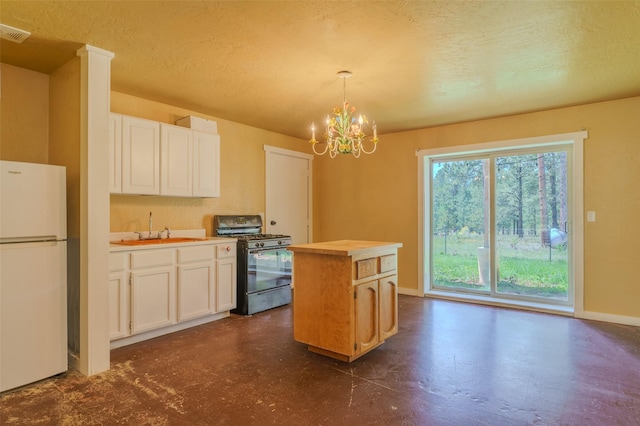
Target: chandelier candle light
[(344, 134)]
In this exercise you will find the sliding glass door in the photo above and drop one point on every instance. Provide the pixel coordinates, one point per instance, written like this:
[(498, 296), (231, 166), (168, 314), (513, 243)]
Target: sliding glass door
[(531, 225), (460, 237), (499, 225)]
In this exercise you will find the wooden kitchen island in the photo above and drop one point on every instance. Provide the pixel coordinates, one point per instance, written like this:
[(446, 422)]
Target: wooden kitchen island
[(345, 298)]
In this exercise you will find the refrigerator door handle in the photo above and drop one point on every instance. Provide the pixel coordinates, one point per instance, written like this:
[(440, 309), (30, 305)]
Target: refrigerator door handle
[(34, 239)]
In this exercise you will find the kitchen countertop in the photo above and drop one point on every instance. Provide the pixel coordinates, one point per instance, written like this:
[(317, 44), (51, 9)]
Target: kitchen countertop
[(180, 233), (342, 247)]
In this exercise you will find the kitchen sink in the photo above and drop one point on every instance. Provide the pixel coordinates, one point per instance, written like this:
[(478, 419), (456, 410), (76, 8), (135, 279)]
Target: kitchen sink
[(157, 241)]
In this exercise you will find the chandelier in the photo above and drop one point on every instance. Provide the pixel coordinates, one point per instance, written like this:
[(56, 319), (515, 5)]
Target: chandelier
[(344, 133)]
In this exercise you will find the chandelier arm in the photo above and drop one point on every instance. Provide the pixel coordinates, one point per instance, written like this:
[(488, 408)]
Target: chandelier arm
[(320, 153), (375, 145)]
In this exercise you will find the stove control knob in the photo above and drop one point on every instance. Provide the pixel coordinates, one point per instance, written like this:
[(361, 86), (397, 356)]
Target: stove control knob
[(257, 244), (261, 244)]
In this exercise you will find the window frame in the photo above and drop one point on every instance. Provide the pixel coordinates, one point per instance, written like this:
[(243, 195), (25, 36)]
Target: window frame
[(575, 140)]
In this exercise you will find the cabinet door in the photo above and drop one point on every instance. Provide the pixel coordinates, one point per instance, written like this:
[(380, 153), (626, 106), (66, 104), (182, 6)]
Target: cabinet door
[(118, 305), (226, 284), (175, 160), (153, 298), (140, 156), (366, 316), (115, 153), (206, 165), (195, 290), (388, 300)]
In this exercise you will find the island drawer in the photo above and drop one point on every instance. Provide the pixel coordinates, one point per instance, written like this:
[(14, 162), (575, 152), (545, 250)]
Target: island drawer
[(387, 263), (366, 268)]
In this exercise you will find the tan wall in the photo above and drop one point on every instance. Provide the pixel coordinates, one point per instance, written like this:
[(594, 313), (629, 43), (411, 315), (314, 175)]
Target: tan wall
[(64, 146), (64, 149), (242, 176), (375, 197), (24, 115)]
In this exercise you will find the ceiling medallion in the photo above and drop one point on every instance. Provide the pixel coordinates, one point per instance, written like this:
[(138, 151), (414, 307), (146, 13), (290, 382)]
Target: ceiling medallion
[(344, 133)]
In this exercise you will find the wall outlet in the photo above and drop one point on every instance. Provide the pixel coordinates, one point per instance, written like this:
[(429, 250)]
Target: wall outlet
[(591, 216)]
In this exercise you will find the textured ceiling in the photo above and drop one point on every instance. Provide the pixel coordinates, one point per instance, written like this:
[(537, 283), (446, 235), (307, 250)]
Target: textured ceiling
[(415, 64)]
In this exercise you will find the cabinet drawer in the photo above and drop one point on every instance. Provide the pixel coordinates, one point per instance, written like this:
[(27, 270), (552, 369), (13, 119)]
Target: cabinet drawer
[(195, 254), (116, 262), (387, 263), (366, 268), (226, 250), (148, 259)]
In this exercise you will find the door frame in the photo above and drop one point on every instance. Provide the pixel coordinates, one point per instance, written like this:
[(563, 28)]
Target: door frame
[(576, 141)]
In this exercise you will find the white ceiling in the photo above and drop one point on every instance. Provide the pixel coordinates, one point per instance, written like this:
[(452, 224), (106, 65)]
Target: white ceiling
[(273, 64)]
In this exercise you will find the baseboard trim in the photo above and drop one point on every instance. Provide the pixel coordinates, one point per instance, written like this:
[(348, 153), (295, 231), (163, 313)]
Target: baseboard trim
[(600, 316), (409, 291), (136, 338)]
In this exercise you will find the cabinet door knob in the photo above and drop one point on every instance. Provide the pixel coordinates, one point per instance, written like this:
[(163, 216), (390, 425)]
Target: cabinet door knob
[(273, 222), (228, 248)]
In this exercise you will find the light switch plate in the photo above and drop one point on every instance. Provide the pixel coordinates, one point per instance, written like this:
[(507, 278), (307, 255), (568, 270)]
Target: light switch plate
[(591, 216)]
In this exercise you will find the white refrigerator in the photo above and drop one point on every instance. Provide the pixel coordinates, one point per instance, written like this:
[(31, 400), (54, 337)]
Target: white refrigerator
[(33, 274)]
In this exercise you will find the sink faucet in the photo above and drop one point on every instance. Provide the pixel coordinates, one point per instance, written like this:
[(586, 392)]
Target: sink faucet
[(150, 235)]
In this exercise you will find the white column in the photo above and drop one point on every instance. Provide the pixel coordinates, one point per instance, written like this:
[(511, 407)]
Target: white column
[(95, 90)]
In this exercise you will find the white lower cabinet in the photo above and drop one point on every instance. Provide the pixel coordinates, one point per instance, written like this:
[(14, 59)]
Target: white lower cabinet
[(152, 289), (226, 277), (118, 297), (196, 282), (153, 298)]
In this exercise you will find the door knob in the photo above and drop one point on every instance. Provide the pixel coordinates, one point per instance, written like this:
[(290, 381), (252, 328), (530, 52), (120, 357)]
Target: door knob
[(273, 222)]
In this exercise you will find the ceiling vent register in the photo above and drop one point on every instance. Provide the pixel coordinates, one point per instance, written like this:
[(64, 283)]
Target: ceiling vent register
[(13, 34)]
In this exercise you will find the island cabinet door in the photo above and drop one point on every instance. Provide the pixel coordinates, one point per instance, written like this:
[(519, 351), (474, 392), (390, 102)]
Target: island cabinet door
[(388, 299), (366, 316)]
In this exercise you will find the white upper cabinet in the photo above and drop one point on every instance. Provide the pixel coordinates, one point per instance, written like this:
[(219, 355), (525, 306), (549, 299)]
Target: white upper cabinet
[(154, 158), (206, 165), (115, 153), (176, 160), (140, 156)]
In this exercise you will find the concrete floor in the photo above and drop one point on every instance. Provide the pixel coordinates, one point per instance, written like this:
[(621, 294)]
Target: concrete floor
[(450, 364)]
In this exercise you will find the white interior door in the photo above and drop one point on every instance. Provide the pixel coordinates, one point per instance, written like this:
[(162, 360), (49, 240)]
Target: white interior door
[(288, 194)]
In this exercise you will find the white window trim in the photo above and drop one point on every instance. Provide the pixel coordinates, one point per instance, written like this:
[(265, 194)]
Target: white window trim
[(576, 141)]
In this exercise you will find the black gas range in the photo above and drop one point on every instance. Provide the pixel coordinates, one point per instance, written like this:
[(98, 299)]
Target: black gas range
[(264, 264)]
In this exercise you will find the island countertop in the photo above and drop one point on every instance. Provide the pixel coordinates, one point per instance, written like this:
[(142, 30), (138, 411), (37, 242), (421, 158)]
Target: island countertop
[(342, 247)]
